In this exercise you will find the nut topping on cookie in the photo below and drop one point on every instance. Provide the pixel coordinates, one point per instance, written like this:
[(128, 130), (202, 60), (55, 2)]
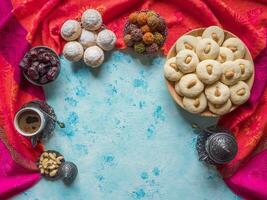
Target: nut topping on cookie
[(188, 59), (217, 92), (241, 92), (233, 49), (209, 69), (191, 84), (242, 67), (207, 49), (196, 102), (174, 66), (229, 74), (188, 46), (222, 58), (215, 37)]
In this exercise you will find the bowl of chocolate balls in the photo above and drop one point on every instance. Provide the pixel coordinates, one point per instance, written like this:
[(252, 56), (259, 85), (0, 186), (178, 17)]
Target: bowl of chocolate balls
[(40, 65), (145, 32)]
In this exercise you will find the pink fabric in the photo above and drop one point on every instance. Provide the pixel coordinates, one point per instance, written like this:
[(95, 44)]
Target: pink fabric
[(14, 178), (42, 20), (251, 180), (18, 170)]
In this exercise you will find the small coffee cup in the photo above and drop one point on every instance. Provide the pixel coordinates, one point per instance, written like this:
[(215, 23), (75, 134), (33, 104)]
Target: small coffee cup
[(29, 121)]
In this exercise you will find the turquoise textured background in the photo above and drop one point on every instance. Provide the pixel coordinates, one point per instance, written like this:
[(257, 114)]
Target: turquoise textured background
[(126, 134)]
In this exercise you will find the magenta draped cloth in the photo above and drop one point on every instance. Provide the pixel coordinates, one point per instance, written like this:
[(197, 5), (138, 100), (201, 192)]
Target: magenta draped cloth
[(24, 23)]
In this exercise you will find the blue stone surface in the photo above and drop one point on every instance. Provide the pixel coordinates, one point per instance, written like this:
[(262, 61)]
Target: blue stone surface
[(127, 136)]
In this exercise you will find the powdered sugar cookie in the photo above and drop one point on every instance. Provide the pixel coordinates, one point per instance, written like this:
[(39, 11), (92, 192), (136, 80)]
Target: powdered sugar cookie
[(91, 20), (209, 71), (70, 30), (225, 55), (186, 42), (217, 93), (246, 68), (220, 109), (190, 85), (195, 105), (231, 73), (93, 56), (87, 38), (73, 51), (171, 71), (187, 61), (236, 46), (215, 33), (239, 93), (207, 49), (106, 39)]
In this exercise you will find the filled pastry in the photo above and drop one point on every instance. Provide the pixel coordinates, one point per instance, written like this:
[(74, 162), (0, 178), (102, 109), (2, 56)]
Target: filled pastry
[(217, 93), (231, 73), (239, 93), (190, 85), (171, 71), (220, 109), (207, 49), (186, 42), (195, 105), (236, 46), (215, 33), (177, 88), (187, 61), (245, 67), (209, 71), (225, 55)]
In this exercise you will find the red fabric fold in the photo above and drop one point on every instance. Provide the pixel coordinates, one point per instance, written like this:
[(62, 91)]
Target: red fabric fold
[(247, 19)]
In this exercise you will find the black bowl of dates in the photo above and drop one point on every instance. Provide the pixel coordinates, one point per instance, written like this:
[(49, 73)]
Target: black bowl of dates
[(40, 65)]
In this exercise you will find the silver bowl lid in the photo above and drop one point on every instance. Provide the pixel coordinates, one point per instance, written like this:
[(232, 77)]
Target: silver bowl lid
[(221, 147)]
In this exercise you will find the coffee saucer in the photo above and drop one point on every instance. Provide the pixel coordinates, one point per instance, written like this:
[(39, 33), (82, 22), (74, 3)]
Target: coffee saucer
[(50, 125)]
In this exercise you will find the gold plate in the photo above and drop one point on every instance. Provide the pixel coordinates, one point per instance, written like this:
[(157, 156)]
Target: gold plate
[(172, 53)]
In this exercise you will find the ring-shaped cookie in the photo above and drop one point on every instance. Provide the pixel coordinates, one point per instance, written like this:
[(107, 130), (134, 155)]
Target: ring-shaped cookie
[(239, 93), (220, 109), (209, 71), (231, 73), (171, 71), (177, 89), (190, 85), (215, 33), (207, 49), (217, 93), (187, 61), (225, 55), (186, 42), (195, 105), (245, 67), (236, 46)]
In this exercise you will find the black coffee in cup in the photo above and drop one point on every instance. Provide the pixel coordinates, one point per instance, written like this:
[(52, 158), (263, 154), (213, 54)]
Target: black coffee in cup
[(29, 121)]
